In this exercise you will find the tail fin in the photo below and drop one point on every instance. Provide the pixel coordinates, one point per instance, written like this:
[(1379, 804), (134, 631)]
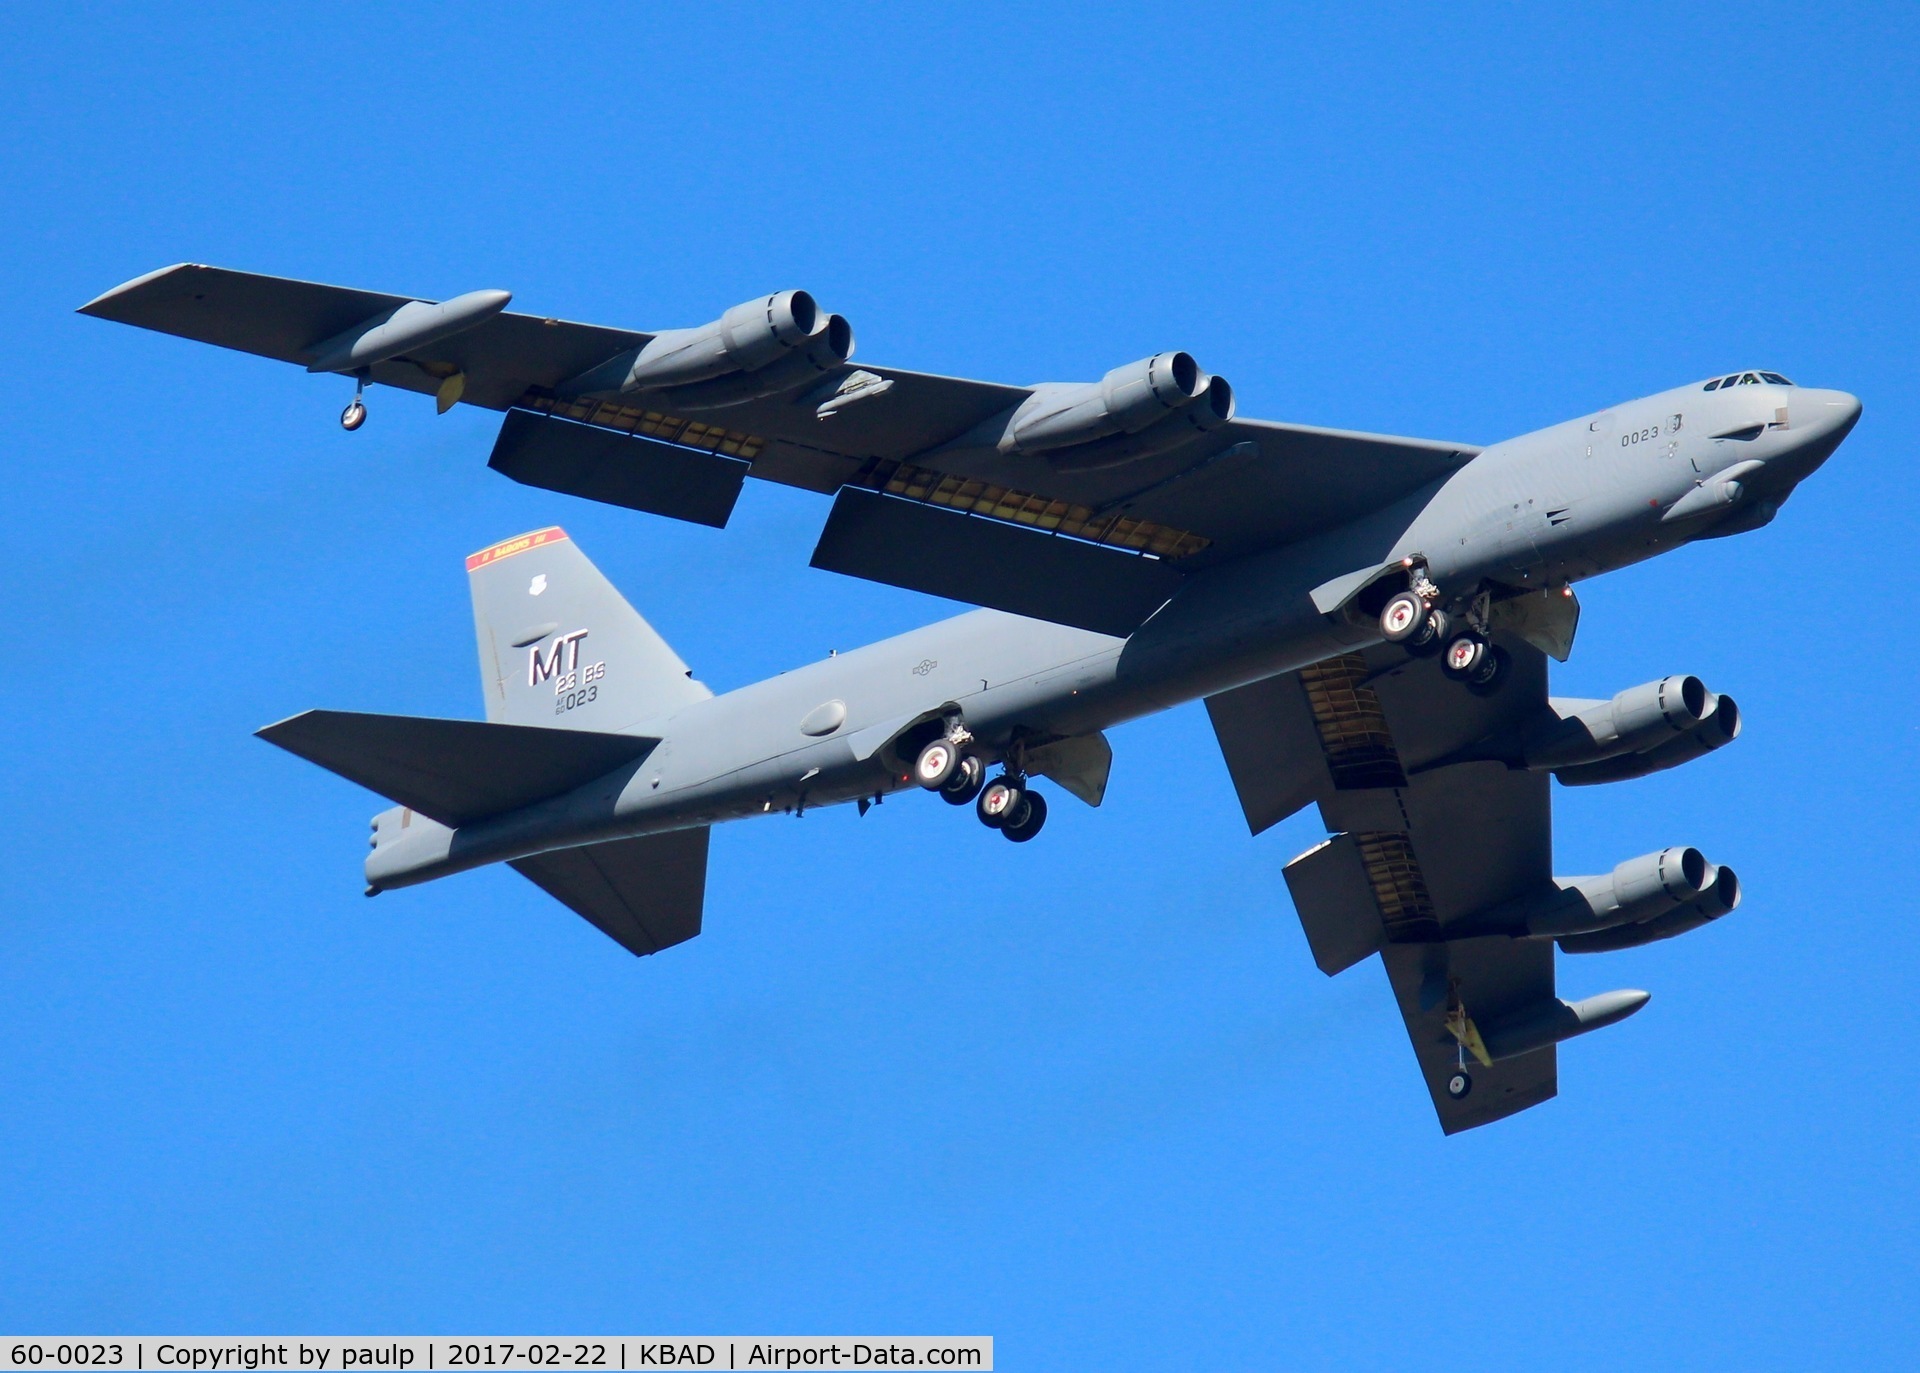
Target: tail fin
[(560, 647)]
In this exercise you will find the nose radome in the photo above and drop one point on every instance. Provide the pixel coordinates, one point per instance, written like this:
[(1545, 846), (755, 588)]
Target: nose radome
[(1831, 412)]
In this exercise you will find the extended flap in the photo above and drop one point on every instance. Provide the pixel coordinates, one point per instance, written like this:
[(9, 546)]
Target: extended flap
[(1335, 899), (1272, 748), (991, 563), (628, 470)]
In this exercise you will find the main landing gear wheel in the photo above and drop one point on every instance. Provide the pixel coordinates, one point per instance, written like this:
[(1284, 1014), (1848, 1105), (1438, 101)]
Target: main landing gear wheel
[(1431, 637), (999, 801), (1402, 617), (1466, 657), (1027, 819), (937, 764), (1493, 672), (966, 781), (1459, 1084)]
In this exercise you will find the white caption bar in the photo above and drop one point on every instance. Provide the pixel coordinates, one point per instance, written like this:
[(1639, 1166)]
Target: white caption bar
[(401, 1354)]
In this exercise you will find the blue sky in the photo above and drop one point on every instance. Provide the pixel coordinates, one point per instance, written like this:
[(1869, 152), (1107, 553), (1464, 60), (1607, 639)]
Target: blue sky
[(1087, 1095)]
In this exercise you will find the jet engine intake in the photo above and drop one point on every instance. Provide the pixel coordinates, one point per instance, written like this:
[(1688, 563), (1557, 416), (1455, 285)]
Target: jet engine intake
[(1635, 720), (1720, 728), (1721, 895), (763, 347)]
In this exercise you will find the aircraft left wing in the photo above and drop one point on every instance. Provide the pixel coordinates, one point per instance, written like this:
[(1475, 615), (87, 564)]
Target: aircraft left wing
[(1015, 497), (499, 357), (1433, 838)]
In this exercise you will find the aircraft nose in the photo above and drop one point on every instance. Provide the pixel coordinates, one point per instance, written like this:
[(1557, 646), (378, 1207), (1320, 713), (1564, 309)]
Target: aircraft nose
[(1829, 413)]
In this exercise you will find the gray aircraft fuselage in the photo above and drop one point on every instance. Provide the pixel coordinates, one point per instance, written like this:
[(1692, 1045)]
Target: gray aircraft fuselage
[(1542, 510)]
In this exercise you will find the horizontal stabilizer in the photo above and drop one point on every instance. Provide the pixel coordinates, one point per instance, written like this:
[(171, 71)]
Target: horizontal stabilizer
[(627, 470), (454, 771), (645, 894), (992, 563)]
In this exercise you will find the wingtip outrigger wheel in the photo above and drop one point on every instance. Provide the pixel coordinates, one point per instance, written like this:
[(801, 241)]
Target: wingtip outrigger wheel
[(355, 414), (1459, 1084)]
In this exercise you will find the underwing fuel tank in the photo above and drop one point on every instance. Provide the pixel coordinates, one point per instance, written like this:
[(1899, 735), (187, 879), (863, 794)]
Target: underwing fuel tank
[(1556, 1020), (768, 346), (405, 327)]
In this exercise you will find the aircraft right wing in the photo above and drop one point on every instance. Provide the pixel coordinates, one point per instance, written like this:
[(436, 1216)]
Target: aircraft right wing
[(1428, 836)]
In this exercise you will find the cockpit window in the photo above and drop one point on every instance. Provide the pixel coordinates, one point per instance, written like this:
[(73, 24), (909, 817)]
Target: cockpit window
[(1746, 379)]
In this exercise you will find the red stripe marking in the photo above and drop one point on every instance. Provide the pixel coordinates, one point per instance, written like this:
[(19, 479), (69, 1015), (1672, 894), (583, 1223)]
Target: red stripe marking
[(507, 548)]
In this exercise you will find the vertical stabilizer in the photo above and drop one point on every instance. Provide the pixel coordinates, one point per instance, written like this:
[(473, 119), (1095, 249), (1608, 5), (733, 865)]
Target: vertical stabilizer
[(560, 647)]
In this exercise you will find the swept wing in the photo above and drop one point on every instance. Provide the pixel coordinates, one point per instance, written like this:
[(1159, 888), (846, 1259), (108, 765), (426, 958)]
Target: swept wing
[(897, 448), (1426, 839)]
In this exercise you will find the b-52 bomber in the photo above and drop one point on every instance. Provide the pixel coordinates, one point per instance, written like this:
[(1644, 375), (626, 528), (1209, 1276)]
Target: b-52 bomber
[(1368, 619)]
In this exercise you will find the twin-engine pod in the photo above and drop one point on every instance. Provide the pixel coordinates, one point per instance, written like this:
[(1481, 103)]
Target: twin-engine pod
[(1636, 890), (1720, 897), (1637, 719), (1125, 401), (1655, 896), (1134, 412), (763, 347), (1720, 728)]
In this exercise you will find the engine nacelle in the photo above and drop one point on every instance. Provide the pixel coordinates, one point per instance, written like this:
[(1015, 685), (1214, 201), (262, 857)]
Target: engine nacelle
[(1721, 896), (1720, 728), (1637, 890), (1212, 408), (1125, 401), (1637, 719), (764, 347)]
